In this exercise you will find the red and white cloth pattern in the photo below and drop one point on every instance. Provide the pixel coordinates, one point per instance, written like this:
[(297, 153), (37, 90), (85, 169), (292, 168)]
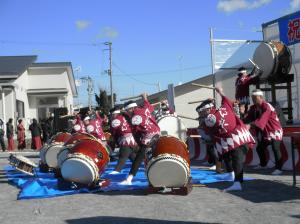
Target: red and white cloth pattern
[(122, 131), (198, 151), (95, 128), (242, 84), (144, 124), (79, 125), (268, 121), (226, 130)]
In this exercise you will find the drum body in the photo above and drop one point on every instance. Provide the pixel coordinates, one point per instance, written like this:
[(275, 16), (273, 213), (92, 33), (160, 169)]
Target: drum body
[(274, 58), (85, 161), (49, 152), (61, 137), (171, 125), (22, 164), (77, 137), (168, 163)]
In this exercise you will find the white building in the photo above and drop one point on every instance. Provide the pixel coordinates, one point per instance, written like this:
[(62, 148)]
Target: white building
[(32, 90)]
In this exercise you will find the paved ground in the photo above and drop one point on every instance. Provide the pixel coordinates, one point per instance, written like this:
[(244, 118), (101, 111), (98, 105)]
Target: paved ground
[(267, 199)]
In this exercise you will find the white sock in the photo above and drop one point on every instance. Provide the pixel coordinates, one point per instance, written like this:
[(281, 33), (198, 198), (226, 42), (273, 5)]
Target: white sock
[(114, 172), (129, 178), (235, 187)]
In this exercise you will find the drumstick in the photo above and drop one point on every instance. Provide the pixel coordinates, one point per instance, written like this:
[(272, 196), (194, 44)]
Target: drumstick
[(63, 116), (254, 63), (197, 101), (182, 116), (203, 86), (195, 136), (154, 104), (130, 98)]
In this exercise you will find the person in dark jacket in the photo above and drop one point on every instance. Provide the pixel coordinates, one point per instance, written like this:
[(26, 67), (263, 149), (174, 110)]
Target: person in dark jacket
[(35, 129), (2, 131), (10, 134)]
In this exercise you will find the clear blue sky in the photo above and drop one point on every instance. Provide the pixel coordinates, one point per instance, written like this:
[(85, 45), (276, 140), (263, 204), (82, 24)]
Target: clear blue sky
[(165, 41)]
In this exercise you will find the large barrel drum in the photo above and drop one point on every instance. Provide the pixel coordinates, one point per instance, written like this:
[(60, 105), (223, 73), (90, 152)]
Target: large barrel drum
[(274, 58), (168, 163)]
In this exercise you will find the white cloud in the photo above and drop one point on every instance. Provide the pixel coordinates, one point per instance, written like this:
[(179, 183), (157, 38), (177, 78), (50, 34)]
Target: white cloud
[(108, 32), (229, 6), (293, 6), (82, 24)]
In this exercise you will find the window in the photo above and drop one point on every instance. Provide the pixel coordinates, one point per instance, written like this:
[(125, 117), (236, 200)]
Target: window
[(20, 109)]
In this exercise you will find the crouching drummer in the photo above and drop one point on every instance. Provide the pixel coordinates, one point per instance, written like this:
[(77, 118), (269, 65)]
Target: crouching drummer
[(206, 139), (144, 129), (229, 135), (121, 130)]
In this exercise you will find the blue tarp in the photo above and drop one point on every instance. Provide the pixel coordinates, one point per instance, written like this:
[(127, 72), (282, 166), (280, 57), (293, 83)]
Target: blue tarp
[(45, 185)]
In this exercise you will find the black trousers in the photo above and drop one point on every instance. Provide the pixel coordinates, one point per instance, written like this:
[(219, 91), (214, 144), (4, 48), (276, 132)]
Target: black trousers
[(2, 143), (212, 154), (234, 161), (125, 153), (261, 151), (140, 155)]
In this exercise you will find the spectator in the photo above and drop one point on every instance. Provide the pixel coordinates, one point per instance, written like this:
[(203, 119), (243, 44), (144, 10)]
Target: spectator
[(2, 135), (35, 129), (10, 134), (21, 135)]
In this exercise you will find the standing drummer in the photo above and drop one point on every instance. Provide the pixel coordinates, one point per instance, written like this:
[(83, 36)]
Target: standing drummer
[(144, 129), (229, 135), (263, 120), (242, 83), (121, 130)]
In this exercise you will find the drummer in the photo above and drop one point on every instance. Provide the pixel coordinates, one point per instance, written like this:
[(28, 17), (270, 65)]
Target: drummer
[(206, 139), (144, 129), (264, 122), (121, 131), (229, 135), (94, 127), (78, 126), (164, 109), (242, 83)]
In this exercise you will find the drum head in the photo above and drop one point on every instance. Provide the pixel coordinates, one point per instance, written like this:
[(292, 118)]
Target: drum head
[(78, 170), (167, 172), (265, 57), (173, 126), (43, 151), (51, 155), (62, 156)]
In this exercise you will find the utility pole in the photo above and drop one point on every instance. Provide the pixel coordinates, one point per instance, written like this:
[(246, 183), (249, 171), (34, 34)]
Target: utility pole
[(212, 52), (90, 89), (110, 74)]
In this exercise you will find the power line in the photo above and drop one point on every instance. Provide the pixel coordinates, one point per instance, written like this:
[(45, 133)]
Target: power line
[(166, 71), (146, 83)]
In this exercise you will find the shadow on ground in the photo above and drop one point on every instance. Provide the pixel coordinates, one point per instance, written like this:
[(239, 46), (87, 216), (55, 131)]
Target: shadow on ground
[(261, 191), (125, 220)]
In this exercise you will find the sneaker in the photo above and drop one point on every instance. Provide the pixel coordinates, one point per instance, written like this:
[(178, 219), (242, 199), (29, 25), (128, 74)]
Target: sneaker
[(235, 187), (113, 172), (259, 167), (212, 167), (125, 182), (277, 172)]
